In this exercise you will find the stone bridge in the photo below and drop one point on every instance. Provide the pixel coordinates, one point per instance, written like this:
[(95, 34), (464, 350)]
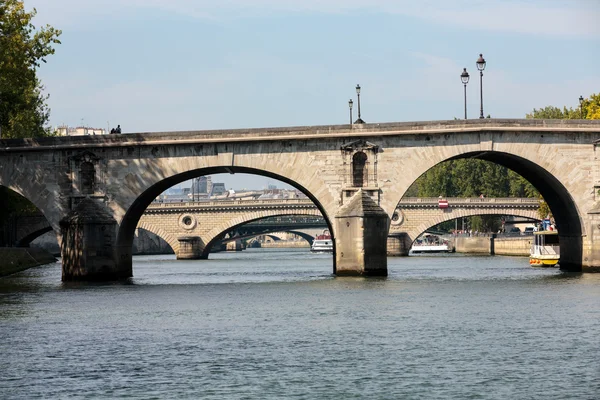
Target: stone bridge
[(191, 229), (93, 190), (198, 225)]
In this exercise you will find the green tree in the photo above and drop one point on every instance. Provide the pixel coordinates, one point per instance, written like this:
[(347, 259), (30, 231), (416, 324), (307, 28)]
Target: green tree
[(23, 109), (590, 107)]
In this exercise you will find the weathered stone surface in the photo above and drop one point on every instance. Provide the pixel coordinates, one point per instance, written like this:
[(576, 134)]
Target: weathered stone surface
[(360, 241), (88, 234), (559, 157)]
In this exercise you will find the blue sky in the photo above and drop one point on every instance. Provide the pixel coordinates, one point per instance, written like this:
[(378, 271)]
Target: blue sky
[(159, 65)]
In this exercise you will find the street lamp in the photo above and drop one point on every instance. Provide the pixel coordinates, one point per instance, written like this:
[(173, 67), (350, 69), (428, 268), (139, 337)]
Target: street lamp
[(464, 77), (481, 66), (581, 105), (359, 120), (350, 104)]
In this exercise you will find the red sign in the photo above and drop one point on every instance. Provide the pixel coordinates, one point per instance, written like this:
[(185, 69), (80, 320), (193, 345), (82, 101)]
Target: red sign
[(443, 203)]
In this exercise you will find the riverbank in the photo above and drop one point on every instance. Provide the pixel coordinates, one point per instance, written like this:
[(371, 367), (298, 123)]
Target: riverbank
[(500, 246), (17, 259)]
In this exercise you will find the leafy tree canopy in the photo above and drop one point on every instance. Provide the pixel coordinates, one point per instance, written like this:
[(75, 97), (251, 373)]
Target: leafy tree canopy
[(588, 109), (23, 109)]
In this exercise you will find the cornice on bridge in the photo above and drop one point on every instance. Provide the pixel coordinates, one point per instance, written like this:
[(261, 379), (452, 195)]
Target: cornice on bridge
[(301, 133)]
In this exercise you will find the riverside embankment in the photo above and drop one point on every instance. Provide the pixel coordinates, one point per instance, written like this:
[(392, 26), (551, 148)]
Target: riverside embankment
[(500, 246), (16, 259)]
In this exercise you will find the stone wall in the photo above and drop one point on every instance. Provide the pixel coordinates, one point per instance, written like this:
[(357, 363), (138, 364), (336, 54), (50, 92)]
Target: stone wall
[(473, 244), (517, 246), (503, 246)]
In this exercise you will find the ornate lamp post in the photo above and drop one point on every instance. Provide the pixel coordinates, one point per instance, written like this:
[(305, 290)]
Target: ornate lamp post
[(581, 106), (350, 104), (481, 66), (464, 77), (359, 120)]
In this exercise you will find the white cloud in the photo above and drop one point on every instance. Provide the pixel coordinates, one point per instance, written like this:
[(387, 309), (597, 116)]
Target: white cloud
[(544, 17)]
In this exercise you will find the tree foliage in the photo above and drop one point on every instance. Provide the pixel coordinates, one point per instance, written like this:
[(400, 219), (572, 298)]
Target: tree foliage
[(23, 109), (589, 108)]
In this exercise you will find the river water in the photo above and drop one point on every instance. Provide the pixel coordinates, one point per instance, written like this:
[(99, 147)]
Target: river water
[(273, 324)]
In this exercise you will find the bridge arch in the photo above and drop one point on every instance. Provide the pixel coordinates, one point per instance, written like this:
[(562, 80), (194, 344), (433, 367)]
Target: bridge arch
[(24, 241), (413, 234), (217, 233), (140, 198), (540, 170), (161, 233), (36, 223)]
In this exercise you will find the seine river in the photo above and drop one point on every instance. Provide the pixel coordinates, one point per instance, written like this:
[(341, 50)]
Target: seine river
[(274, 324)]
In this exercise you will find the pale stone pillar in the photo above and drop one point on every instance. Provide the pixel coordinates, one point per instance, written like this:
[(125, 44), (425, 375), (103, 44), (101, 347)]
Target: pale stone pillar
[(235, 245), (190, 248), (398, 244), (88, 244), (361, 229)]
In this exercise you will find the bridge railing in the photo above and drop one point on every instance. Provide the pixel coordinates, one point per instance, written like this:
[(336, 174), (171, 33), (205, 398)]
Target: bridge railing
[(489, 201), (229, 203), (408, 201)]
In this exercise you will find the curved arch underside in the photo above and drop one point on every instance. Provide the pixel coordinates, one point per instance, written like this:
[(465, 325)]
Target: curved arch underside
[(219, 232), (559, 200), (132, 216), (26, 240), (422, 228)]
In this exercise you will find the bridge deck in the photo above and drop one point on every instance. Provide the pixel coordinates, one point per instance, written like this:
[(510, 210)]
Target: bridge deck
[(299, 133)]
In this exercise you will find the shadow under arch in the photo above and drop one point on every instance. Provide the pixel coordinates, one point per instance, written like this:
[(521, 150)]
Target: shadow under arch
[(130, 220), (12, 232), (560, 201)]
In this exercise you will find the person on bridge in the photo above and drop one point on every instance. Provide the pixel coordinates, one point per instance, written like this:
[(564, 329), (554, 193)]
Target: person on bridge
[(118, 130)]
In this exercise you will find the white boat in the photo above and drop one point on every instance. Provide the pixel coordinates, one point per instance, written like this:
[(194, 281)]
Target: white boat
[(322, 243), (431, 248), (431, 244), (545, 249)]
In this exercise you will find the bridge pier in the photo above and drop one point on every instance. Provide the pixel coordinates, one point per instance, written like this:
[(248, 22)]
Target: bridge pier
[(190, 248), (361, 228), (398, 244), (88, 244)]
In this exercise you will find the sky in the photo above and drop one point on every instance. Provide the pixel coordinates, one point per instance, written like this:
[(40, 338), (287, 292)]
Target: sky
[(168, 65)]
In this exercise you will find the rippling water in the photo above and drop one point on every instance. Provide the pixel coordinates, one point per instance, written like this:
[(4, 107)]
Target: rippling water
[(272, 324)]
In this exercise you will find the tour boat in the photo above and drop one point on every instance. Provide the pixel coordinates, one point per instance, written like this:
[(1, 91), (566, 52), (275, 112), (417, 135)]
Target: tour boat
[(322, 243), (431, 244), (545, 250)]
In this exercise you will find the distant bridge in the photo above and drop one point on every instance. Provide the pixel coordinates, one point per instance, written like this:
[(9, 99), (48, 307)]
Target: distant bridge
[(214, 221)]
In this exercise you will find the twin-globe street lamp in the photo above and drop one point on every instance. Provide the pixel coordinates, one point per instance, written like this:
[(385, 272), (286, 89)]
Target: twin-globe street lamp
[(581, 105), (464, 77)]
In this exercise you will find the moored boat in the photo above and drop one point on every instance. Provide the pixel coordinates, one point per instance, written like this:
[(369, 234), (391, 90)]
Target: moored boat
[(322, 243), (545, 249)]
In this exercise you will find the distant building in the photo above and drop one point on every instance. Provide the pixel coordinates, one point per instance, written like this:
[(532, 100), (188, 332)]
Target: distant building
[(65, 130), (202, 185), (217, 189)]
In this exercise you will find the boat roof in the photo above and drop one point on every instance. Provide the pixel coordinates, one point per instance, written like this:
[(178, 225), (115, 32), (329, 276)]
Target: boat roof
[(546, 233)]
